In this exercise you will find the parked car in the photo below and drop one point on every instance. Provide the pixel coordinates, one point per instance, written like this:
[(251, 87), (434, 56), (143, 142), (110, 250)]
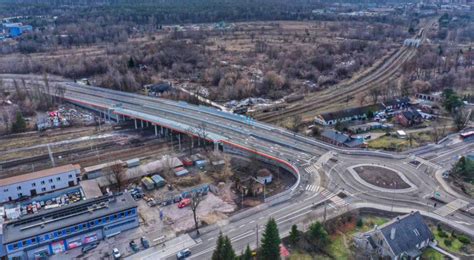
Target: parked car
[(184, 203), (145, 242), (134, 246), (183, 254), (116, 253), (89, 247)]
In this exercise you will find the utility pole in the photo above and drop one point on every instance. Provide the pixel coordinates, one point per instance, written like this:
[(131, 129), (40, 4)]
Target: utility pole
[(325, 209), (51, 156), (257, 237)]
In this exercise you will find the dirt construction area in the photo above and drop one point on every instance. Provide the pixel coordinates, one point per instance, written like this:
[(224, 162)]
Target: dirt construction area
[(210, 210), (381, 177)]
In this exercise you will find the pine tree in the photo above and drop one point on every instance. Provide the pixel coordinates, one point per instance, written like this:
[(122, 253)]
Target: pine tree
[(218, 251), (294, 235), (228, 252), (131, 63), (319, 235), (19, 125), (247, 254), (270, 241), (224, 250)]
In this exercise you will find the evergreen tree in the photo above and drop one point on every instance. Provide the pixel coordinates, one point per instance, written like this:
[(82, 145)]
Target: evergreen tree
[(247, 254), (218, 251), (319, 235), (19, 125), (294, 235), (224, 250), (228, 252), (131, 63), (270, 241)]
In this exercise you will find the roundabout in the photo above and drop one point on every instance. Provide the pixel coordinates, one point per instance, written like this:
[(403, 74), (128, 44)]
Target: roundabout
[(381, 178)]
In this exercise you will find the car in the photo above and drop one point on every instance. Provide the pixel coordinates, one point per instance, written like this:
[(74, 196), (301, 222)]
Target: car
[(89, 247), (134, 246), (184, 203), (183, 254), (145, 242), (116, 253)]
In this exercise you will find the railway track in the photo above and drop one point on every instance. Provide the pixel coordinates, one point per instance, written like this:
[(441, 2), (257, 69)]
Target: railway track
[(340, 92)]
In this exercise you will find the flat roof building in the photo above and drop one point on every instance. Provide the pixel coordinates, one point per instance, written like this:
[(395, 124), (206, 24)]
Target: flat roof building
[(57, 230), (34, 183)]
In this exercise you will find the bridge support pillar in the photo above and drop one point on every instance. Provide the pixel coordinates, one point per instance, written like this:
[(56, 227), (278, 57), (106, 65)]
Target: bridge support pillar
[(161, 129), (216, 146), (179, 141), (135, 123), (156, 130), (141, 122)]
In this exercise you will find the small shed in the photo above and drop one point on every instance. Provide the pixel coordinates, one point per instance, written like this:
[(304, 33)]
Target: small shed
[(264, 176), (148, 183), (201, 163), (181, 171), (158, 180), (133, 162)]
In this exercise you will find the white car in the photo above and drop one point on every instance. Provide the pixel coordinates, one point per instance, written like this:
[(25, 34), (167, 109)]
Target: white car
[(116, 253)]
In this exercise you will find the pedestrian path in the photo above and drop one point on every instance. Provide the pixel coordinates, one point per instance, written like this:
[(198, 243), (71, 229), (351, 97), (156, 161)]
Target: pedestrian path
[(311, 169), (312, 187), (340, 202), (451, 207)]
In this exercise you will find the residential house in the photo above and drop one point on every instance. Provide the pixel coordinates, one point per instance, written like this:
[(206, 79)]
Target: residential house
[(396, 103), (358, 113), (340, 139), (409, 118), (404, 237)]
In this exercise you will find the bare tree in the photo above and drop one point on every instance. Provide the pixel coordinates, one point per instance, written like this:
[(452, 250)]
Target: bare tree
[(374, 94), (195, 201), (117, 172), (6, 120), (201, 132), (460, 117)]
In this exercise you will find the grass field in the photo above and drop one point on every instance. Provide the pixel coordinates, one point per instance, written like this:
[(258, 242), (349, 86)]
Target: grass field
[(455, 246), (431, 254)]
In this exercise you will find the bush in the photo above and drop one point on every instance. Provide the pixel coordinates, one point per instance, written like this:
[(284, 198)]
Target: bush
[(448, 242), (464, 239), (359, 223), (442, 234)]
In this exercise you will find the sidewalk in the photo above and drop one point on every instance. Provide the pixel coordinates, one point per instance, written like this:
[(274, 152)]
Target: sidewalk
[(165, 249)]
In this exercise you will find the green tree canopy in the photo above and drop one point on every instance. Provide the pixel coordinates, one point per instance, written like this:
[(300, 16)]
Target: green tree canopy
[(319, 235), (19, 125), (294, 235), (270, 241), (247, 255), (224, 250)]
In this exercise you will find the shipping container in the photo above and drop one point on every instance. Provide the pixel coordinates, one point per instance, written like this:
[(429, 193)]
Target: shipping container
[(148, 183), (158, 180)]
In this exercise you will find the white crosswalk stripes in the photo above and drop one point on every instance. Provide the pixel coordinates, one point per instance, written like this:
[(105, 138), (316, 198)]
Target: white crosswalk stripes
[(312, 188), (338, 201), (334, 198), (311, 169)]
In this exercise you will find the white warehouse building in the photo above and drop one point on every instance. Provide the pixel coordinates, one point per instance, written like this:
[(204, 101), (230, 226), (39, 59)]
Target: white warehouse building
[(34, 183)]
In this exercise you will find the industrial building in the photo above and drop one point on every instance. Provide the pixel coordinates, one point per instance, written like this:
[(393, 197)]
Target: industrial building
[(34, 183), (58, 230), (16, 29)]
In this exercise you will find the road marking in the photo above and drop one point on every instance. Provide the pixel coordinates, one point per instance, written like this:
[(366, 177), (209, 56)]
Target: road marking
[(241, 226), (212, 238), (293, 217), (251, 221), (312, 188), (262, 217)]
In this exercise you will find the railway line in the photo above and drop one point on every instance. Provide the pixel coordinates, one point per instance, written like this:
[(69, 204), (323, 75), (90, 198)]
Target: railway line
[(340, 93)]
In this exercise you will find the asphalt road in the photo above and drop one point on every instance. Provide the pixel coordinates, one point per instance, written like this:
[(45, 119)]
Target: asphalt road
[(322, 168)]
